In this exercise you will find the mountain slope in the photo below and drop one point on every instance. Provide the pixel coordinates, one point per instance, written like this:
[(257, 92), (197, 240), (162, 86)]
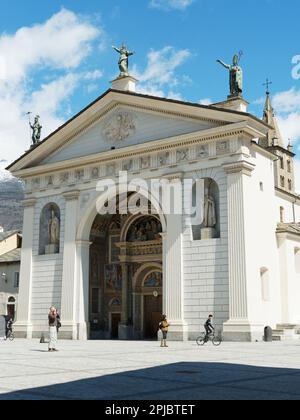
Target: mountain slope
[(11, 196)]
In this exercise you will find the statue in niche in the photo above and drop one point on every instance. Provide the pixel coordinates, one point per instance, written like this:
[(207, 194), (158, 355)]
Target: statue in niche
[(235, 76), (210, 217), (53, 229)]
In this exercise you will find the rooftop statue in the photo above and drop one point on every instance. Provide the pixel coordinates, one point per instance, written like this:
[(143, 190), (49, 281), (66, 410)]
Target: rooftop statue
[(123, 61), (36, 130), (235, 75)]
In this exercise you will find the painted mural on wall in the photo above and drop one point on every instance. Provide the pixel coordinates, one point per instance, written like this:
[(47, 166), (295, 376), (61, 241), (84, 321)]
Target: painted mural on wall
[(113, 278), (145, 230), (154, 279)]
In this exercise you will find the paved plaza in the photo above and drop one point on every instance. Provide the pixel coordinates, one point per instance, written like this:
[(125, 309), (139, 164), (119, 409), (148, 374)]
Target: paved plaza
[(116, 370)]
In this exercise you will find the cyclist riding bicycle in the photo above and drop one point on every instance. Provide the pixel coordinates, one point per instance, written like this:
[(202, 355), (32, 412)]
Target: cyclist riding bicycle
[(209, 328)]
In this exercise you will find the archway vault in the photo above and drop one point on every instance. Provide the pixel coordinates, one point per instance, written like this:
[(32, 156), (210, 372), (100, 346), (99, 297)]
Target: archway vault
[(124, 250), (86, 221)]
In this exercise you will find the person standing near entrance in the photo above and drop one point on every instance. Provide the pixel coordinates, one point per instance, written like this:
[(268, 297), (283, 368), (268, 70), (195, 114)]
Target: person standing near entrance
[(9, 326), (52, 318), (164, 327)]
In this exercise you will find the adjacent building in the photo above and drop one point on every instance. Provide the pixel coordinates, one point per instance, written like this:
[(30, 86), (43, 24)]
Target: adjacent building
[(10, 257)]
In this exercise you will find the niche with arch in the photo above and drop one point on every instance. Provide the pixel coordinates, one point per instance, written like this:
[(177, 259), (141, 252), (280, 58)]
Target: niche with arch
[(210, 227), (49, 237)]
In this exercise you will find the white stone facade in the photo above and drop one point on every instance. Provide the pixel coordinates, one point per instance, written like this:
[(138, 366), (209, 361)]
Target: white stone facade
[(247, 277)]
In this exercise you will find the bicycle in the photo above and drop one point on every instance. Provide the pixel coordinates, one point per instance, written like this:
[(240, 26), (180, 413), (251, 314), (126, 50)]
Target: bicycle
[(10, 336), (204, 339)]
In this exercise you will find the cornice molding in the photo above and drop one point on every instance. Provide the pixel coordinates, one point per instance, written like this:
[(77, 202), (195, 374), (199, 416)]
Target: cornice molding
[(83, 244), (71, 195), (29, 202), (166, 144), (244, 167)]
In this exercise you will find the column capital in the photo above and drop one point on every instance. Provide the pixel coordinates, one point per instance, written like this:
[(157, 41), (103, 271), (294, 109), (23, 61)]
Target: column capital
[(71, 195), (83, 244), (246, 168), (29, 202), (174, 177), (164, 235)]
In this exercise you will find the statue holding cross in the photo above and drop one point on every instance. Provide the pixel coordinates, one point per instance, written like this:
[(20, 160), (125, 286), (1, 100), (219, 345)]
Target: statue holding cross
[(235, 75), (123, 60)]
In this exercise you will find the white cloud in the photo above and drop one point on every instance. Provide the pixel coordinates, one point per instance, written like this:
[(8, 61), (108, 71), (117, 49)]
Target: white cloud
[(59, 46), (287, 108), (168, 5), (288, 101), (61, 42), (159, 78), (206, 101), (93, 75)]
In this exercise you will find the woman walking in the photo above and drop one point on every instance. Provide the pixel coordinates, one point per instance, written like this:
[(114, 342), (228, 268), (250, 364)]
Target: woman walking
[(164, 327), (52, 317)]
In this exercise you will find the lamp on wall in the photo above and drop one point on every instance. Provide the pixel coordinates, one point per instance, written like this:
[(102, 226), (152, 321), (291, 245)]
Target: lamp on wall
[(4, 277)]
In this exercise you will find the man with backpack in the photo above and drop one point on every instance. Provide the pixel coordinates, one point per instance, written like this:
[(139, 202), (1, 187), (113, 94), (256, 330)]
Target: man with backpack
[(164, 327)]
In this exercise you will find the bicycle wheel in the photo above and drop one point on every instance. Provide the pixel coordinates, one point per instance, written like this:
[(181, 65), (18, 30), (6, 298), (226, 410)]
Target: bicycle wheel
[(201, 340), (217, 341)]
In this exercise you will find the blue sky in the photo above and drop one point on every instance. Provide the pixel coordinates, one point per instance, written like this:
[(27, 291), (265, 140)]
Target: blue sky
[(183, 38)]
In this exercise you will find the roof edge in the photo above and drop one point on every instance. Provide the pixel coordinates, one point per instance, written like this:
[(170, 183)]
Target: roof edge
[(140, 95)]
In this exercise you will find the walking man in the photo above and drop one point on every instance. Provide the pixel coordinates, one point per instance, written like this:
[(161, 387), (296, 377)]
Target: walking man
[(52, 318)]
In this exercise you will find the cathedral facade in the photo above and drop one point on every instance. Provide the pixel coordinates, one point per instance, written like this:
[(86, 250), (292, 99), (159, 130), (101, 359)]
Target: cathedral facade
[(114, 275)]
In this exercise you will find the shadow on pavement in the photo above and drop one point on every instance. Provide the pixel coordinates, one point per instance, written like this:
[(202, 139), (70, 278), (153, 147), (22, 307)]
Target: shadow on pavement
[(179, 381)]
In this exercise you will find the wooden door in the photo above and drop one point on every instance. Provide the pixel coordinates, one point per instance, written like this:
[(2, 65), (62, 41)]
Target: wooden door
[(152, 316), (115, 321)]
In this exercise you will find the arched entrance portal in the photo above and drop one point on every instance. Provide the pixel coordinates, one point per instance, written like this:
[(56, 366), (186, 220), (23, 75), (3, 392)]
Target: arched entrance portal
[(126, 276)]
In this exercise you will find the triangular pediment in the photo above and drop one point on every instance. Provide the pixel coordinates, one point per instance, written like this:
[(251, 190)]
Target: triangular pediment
[(126, 126), (124, 120)]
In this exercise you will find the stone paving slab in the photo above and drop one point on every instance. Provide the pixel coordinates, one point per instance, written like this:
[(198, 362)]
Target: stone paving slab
[(122, 370)]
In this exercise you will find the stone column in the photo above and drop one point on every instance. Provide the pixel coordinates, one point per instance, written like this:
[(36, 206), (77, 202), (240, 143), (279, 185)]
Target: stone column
[(83, 286), (124, 318), (238, 327), (68, 304), (173, 293), (125, 330), (23, 326)]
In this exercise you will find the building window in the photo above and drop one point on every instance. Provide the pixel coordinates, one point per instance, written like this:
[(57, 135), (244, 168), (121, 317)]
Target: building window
[(95, 301), (290, 185), (282, 182), (16, 280), (281, 163), (265, 286), (289, 166), (282, 218), (261, 186), (297, 260)]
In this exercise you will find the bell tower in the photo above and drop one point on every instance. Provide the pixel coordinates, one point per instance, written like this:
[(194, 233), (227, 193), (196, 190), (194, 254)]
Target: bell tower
[(284, 166)]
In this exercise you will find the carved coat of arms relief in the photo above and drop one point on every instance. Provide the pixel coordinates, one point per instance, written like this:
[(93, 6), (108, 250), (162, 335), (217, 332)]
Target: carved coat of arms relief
[(120, 127)]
